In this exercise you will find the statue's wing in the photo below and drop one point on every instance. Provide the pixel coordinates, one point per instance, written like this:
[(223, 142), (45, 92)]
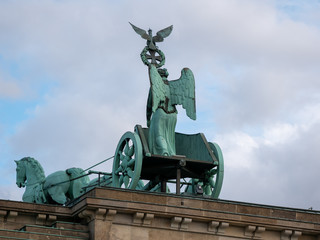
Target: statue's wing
[(182, 92), (158, 87), (141, 32), (162, 34)]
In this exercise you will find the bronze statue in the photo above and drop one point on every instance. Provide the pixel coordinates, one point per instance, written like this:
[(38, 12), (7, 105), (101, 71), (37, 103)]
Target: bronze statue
[(164, 95)]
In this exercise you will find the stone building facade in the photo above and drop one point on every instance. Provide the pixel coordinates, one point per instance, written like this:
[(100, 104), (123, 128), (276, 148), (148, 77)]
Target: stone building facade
[(108, 213)]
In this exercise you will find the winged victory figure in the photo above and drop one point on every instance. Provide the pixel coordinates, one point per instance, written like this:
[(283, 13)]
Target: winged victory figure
[(163, 97), (151, 40)]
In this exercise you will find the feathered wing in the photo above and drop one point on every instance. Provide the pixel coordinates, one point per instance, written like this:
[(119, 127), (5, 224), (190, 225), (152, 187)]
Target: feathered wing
[(182, 92), (162, 34), (158, 88), (141, 32)]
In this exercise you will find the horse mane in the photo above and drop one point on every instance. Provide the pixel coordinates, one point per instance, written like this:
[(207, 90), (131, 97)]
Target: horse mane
[(38, 170)]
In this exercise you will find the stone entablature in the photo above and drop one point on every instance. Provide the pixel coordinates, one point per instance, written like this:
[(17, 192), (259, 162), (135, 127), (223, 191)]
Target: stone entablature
[(123, 214)]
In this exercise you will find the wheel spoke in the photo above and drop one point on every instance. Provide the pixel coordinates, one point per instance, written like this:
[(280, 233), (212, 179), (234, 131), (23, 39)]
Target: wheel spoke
[(213, 171), (211, 181), (207, 190), (130, 172), (126, 181), (121, 180), (118, 170), (130, 151), (131, 162), (126, 148)]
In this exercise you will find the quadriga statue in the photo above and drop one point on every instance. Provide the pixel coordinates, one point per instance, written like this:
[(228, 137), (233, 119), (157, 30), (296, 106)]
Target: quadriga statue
[(57, 188)]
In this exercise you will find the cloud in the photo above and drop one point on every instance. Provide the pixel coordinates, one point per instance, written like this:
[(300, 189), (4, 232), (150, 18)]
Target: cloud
[(69, 130), (256, 70), (9, 89), (280, 165)]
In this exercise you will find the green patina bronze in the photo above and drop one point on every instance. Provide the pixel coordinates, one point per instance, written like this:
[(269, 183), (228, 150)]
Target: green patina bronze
[(57, 188), (147, 158), (127, 165), (157, 153), (211, 183), (164, 95)]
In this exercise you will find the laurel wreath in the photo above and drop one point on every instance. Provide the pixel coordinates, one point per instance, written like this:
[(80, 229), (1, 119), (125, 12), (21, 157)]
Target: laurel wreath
[(144, 58)]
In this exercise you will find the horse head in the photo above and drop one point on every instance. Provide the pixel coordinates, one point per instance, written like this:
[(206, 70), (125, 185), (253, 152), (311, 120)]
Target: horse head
[(29, 172), (21, 173)]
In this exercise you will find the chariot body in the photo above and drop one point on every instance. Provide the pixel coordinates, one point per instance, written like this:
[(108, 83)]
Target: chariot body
[(196, 159)]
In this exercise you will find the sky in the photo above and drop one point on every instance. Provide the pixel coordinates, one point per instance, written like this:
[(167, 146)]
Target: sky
[(72, 83)]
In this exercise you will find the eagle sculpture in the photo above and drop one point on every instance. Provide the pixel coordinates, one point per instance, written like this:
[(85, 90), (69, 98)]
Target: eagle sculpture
[(151, 40)]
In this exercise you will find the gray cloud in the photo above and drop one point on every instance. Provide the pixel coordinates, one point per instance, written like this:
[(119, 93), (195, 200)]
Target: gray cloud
[(255, 68)]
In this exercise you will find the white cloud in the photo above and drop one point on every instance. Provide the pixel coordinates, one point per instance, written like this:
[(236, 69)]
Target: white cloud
[(255, 68), (239, 149), (278, 167), (280, 134), (69, 130)]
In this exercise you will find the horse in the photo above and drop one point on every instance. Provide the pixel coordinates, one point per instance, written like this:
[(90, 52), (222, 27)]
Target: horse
[(57, 188)]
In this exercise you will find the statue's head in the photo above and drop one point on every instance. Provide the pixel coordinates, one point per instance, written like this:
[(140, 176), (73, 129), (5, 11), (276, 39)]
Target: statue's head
[(163, 72)]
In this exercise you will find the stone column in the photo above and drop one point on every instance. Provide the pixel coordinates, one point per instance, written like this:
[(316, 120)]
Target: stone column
[(99, 222)]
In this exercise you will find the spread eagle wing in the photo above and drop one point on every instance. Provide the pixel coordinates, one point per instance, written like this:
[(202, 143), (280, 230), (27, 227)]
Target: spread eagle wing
[(162, 34), (182, 91), (141, 32), (159, 89)]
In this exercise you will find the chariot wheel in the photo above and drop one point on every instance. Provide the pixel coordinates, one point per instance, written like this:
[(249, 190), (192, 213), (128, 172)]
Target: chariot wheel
[(219, 172), (211, 184), (127, 161)]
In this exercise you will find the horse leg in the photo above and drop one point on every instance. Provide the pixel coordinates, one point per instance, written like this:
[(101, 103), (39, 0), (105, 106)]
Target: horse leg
[(56, 186), (57, 194), (28, 196)]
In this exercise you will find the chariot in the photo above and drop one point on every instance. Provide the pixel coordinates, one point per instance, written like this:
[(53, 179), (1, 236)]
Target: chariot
[(148, 158), (196, 158)]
